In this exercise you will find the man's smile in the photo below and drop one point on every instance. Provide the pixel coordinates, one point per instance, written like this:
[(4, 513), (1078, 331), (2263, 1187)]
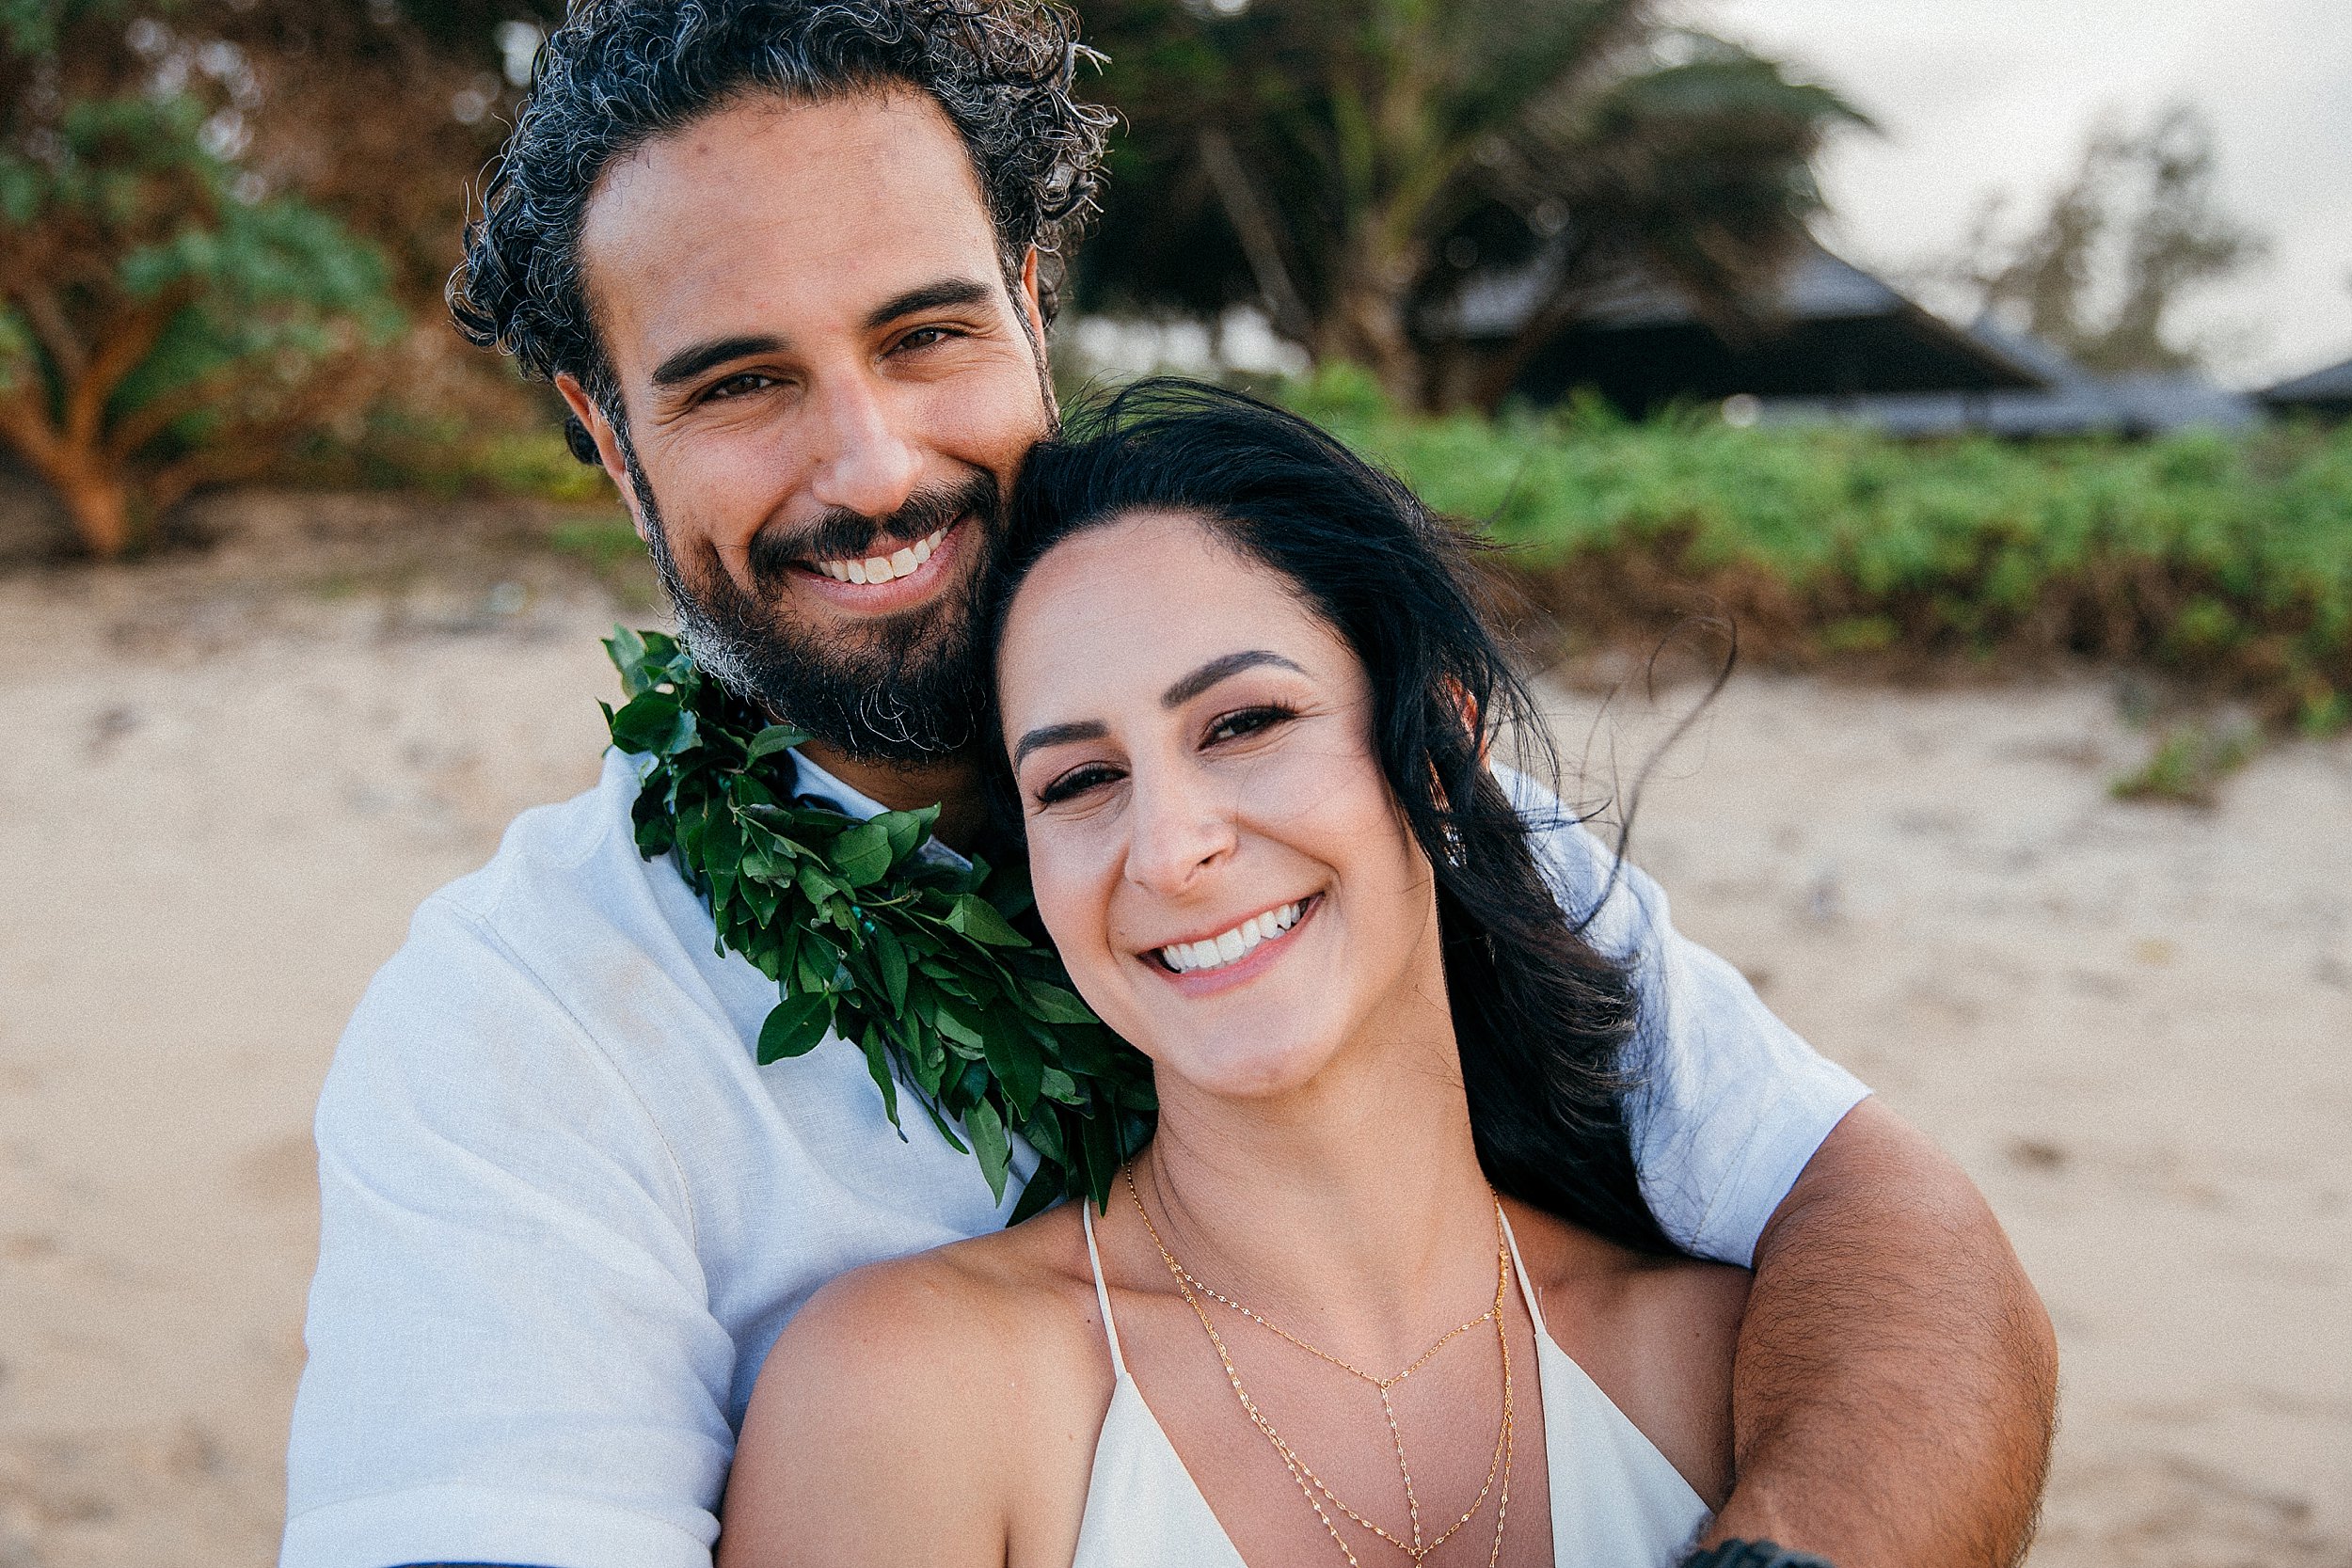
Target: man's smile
[(908, 575), (880, 568)]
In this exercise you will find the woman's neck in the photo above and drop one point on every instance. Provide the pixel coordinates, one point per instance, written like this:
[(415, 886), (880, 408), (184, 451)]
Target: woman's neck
[(1355, 1205)]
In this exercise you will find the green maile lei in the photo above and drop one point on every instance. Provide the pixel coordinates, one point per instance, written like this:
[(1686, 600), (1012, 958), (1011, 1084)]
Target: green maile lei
[(941, 975)]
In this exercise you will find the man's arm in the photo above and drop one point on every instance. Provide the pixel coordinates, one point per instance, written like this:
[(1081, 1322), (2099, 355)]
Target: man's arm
[(1895, 1390), (512, 1355)]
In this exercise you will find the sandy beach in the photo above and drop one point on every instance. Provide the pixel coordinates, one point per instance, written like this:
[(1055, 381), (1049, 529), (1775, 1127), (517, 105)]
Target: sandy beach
[(228, 780)]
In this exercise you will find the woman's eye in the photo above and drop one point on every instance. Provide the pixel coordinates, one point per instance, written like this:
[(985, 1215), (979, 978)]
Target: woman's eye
[(1077, 782), (1249, 720)]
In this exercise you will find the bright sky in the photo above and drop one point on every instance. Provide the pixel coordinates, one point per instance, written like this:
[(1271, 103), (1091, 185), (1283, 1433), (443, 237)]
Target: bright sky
[(1976, 95)]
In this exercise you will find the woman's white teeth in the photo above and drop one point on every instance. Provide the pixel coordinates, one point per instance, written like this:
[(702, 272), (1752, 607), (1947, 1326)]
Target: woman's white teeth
[(885, 568), (1215, 952)]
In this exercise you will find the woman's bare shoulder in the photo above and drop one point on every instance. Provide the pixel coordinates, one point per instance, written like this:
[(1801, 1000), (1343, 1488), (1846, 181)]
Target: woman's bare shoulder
[(1658, 1334), (859, 1444)]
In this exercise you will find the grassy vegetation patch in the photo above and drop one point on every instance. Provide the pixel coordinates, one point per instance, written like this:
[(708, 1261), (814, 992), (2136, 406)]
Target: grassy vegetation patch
[(2224, 560)]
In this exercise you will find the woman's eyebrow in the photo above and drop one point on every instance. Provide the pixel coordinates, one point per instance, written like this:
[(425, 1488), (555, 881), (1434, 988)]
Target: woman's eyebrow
[(1216, 669), (1185, 690), (1058, 735)]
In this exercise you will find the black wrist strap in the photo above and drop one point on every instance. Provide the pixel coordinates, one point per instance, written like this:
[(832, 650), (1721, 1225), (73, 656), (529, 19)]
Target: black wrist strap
[(1752, 1554)]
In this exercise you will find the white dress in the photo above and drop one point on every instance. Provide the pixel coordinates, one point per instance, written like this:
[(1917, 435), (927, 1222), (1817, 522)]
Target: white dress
[(1616, 1502)]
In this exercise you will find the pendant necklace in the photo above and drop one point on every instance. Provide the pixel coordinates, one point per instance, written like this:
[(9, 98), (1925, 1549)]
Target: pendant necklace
[(1312, 1487)]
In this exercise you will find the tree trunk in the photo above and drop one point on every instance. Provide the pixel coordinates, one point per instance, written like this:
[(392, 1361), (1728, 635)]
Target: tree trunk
[(1367, 325), (97, 497), (100, 505)]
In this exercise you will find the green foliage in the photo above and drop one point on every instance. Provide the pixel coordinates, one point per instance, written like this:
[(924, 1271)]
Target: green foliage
[(936, 972), (2221, 558), (166, 320), (1351, 164), (2188, 766), (271, 280)]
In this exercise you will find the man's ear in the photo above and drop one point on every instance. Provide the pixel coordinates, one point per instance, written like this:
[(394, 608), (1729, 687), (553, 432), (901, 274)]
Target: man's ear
[(600, 431), (1029, 299)]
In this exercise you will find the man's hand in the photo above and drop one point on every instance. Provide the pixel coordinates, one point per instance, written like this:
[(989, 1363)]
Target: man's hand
[(1894, 1394)]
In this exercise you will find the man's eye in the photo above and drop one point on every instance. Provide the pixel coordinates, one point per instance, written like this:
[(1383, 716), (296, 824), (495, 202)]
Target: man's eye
[(1247, 721), (1077, 782), (926, 337), (735, 386)]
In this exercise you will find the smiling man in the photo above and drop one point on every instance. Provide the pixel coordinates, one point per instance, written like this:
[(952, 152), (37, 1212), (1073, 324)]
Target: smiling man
[(788, 262)]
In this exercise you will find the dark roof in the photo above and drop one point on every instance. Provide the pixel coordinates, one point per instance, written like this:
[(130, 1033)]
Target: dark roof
[(2327, 391), (1641, 344), (2073, 401)]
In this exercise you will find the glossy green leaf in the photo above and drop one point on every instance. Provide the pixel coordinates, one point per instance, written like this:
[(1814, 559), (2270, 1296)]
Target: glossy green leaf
[(986, 1130), (862, 854), (976, 918), (774, 739), (1056, 1006), (794, 1026)]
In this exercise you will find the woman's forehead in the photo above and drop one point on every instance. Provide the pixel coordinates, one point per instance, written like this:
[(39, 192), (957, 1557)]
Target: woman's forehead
[(1147, 597)]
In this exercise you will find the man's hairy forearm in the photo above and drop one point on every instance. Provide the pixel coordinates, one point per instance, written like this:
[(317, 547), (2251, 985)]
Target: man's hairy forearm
[(1895, 1389)]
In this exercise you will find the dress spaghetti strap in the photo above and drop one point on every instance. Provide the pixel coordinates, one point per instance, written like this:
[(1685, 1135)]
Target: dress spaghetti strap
[(1102, 1291), (1526, 1286)]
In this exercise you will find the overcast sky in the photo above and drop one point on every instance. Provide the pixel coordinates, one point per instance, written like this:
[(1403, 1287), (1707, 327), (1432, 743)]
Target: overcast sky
[(1975, 95)]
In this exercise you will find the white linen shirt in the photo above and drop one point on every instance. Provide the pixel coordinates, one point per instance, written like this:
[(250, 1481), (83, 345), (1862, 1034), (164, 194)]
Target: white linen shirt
[(566, 1212)]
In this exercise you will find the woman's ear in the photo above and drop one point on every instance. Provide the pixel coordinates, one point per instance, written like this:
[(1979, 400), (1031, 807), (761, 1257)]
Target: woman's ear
[(1466, 709)]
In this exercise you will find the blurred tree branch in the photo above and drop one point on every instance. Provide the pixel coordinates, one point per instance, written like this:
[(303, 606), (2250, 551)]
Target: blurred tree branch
[(214, 213), (1352, 165), (2136, 230)]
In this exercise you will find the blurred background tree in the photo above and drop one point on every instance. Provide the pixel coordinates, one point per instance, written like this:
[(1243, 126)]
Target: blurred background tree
[(2102, 269), (221, 217), (1349, 165)]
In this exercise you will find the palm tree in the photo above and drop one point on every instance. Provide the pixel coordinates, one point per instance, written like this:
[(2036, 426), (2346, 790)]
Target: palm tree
[(1349, 165)]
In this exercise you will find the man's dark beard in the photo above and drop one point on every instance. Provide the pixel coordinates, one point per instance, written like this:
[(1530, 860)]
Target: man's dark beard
[(906, 689)]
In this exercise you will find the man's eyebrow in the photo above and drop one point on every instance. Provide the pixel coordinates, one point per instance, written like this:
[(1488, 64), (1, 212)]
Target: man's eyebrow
[(692, 360), (948, 292), (1219, 669), (1057, 735)]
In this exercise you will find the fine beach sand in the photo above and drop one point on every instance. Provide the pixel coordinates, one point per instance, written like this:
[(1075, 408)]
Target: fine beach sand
[(227, 781)]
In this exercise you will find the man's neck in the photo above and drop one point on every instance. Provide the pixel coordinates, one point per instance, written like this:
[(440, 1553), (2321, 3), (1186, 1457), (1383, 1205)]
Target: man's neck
[(952, 785)]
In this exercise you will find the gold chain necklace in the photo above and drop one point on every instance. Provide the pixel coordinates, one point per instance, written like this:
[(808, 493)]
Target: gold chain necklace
[(1311, 1485)]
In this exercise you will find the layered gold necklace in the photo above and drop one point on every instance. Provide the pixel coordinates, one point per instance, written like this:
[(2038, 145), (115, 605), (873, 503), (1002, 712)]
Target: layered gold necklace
[(1320, 1497)]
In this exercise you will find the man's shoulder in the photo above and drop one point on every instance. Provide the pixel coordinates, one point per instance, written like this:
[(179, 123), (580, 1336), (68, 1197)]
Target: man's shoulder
[(568, 943), (1619, 909), (559, 863)]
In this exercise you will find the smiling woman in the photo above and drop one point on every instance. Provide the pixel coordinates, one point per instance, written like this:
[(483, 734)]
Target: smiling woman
[(1245, 704)]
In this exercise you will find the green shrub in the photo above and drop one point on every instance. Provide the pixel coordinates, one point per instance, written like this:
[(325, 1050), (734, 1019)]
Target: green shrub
[(2225, 560)]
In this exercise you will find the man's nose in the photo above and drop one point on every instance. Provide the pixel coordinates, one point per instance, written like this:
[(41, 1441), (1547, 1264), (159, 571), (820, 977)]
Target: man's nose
[(869, 467), (1179, 831)]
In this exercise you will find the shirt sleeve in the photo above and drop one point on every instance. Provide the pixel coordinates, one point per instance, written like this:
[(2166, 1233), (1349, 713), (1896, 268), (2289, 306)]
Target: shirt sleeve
[(512, 1356), (1732, 1102)]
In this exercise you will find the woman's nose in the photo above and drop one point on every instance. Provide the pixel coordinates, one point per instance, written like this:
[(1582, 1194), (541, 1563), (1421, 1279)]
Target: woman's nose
[(1178, 830)]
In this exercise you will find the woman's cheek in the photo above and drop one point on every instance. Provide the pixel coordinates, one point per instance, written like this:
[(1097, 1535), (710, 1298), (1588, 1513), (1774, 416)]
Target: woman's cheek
[(1072, 875)]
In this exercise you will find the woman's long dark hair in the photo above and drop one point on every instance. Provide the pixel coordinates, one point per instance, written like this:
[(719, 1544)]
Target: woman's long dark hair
[(1542, 1018)]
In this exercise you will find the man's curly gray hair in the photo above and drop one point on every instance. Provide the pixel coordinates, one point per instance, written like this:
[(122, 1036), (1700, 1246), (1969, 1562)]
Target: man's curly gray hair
[(619, 72)]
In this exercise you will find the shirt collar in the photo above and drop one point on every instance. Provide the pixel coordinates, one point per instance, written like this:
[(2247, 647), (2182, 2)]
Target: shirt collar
[(811, 781)]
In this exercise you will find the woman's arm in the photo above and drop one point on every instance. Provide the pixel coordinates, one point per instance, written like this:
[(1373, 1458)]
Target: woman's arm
[(860, 1447)]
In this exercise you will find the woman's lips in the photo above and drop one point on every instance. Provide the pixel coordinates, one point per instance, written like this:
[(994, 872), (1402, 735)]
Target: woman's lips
[(1253, 961)]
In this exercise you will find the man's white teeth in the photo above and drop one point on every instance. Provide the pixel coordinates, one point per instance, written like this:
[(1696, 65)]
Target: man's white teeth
[(885, 568), (1186, 957)]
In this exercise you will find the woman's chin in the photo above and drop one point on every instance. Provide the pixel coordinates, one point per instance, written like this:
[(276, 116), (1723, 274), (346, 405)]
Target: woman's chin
[(1217, 1070)]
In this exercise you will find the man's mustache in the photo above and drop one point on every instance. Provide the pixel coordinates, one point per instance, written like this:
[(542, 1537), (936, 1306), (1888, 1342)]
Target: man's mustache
[(840, 534)]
